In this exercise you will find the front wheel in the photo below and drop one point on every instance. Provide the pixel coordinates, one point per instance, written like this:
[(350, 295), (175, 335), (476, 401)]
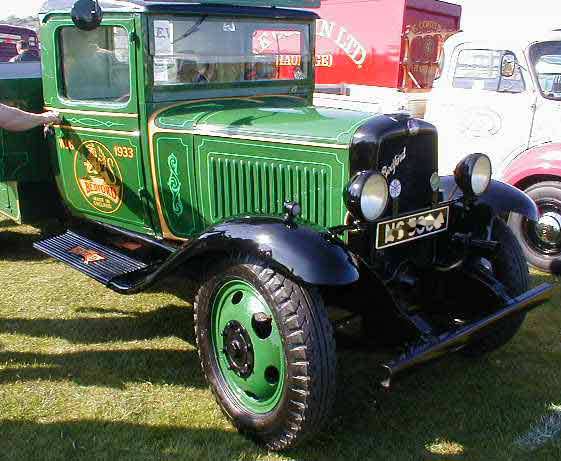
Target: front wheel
[(509, 267), (541, 241), (267, 350)]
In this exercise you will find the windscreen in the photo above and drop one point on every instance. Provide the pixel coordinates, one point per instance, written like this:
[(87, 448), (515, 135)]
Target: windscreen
[(546, 62), (205, 50)]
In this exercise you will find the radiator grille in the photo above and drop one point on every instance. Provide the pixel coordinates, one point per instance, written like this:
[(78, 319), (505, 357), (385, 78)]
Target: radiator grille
[(261, 187), (413, 172)]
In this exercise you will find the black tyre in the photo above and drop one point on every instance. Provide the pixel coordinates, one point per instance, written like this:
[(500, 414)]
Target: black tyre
[(541, 242), (510, 268), (267, 350)]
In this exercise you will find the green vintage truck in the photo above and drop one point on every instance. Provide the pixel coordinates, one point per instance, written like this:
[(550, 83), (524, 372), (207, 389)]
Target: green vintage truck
[(189, 142)]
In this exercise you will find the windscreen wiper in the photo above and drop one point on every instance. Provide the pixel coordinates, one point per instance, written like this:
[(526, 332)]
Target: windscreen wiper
[(192, 29)]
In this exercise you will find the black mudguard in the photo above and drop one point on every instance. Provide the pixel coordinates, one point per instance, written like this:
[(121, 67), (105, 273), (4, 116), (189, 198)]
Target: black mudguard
[(311, 256), (307, 254), (500, 197)]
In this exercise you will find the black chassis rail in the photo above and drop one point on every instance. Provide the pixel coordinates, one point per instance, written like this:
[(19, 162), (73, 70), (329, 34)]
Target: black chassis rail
[(454, 340)]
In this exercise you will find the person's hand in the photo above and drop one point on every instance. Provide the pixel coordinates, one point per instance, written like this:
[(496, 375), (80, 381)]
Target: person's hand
[(50, 118)]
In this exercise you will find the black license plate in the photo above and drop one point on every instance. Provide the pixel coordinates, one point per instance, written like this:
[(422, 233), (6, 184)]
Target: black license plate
[(412, 227)]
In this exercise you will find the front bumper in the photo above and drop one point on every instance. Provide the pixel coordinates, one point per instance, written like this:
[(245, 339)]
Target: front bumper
[(451, 341)]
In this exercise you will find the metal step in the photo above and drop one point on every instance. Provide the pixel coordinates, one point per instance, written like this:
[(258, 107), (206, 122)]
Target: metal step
[(98, 261)]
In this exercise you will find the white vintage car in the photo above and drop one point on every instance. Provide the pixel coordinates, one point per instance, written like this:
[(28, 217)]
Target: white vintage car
[(501, 95)]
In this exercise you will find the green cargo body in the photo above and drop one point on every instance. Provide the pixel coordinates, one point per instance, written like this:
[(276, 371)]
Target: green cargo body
[(25, 176)]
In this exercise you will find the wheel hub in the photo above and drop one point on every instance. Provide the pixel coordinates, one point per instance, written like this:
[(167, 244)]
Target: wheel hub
[(548, 228), (248, 345), (544, 236), (238, 349)]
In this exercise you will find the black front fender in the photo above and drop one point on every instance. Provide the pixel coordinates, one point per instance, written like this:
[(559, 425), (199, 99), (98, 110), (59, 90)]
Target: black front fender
[(311, 256), (314, 257), (500, 197)]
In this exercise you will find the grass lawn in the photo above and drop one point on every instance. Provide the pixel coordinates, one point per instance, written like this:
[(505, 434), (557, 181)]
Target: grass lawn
[(89, 374)]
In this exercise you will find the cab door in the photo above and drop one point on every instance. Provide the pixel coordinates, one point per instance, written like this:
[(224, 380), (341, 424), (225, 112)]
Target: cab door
[(89, 77), (477, 110)]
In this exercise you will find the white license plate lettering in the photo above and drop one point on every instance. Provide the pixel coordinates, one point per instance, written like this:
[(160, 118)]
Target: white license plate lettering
[(391, 233)]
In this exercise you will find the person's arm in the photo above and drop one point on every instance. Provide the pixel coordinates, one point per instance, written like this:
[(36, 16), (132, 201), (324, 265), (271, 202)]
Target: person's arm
[(13, 119)]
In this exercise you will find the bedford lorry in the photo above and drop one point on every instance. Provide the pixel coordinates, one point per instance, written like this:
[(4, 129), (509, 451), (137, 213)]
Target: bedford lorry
[(184, 148)]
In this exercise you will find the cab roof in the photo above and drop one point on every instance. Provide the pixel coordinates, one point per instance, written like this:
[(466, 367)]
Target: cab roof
[(178, 6), (503, 39)]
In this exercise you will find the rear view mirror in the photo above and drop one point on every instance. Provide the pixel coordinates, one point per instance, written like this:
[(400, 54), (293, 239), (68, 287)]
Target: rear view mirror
[(508, 65), (86, 14)]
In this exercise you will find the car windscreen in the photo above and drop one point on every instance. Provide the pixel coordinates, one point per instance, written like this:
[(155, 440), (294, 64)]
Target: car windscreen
[(545, 58), (207, 50)]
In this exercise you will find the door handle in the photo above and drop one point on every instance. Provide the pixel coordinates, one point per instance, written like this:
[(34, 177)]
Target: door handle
[(48, 130)]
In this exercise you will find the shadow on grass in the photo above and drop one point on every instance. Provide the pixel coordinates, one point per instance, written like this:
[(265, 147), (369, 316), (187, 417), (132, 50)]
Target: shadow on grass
[(457, 403), (111, 368), (15, 246), (541, 277), (91, 439), (432, 413), (107, 367), (450, 404), (368, 424), (128, 326), (16, 241), (7, 224)]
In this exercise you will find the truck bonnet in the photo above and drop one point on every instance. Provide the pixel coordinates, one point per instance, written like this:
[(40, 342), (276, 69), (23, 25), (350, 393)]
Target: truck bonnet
[(282, 119)]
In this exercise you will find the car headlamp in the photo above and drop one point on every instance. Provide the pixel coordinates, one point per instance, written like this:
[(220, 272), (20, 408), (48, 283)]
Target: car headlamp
[(473, 174), (367, 195)]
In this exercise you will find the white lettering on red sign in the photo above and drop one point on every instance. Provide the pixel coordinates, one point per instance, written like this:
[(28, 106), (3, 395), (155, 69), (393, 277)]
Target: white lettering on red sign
[(343, 39)]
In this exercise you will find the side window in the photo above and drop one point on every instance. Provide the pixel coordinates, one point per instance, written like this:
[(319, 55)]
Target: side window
[(481, 70), (95, 64)]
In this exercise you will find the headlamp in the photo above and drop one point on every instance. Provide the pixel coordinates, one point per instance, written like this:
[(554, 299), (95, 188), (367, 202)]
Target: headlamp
[(473, 174), (366, 195)]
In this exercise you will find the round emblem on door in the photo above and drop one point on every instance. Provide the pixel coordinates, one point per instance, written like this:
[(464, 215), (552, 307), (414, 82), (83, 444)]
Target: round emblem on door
[(98, 176)]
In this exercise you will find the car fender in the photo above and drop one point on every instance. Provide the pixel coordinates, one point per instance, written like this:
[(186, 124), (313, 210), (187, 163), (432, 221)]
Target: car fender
[(499, 196), (312, 256), (544, 160)]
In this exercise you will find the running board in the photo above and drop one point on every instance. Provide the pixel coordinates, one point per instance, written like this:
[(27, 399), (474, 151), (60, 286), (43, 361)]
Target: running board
[(98, 261)]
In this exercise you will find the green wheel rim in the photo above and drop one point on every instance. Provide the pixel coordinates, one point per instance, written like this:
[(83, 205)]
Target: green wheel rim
[(238, 303)]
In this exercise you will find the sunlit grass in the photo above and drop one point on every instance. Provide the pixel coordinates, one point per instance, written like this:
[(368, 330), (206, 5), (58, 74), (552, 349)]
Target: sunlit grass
[(444, 448), (88, 374)]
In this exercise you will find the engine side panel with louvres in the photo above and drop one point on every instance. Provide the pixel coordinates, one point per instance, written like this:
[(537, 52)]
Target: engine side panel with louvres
[(218, 178), (256, 178)]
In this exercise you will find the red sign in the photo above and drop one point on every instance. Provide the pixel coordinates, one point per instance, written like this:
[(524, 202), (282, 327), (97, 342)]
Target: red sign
[(388, 43)]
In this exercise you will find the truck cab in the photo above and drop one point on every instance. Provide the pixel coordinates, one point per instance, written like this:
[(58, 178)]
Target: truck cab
[(189, 144), (500, 94), (148, 98)]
